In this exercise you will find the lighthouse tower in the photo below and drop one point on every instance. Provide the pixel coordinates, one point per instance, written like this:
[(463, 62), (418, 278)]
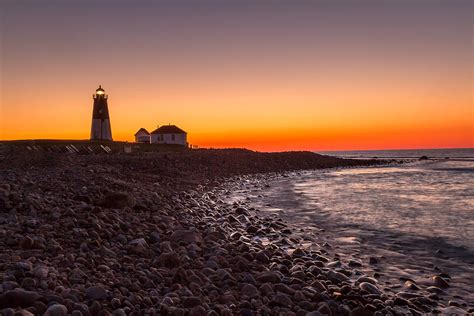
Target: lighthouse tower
[(101, 129)]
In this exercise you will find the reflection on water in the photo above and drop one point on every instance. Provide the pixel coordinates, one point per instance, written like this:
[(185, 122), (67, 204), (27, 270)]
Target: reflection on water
[(433, 199)]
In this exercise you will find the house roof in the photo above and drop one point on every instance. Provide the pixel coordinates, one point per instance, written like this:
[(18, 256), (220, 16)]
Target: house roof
[(142, 130), (168, 129)]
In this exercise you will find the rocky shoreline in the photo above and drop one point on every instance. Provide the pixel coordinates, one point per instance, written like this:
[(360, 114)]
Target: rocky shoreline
[(155, 235)]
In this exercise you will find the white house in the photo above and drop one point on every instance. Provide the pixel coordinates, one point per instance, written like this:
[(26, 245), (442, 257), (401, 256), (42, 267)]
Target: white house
[(169, 134), (142, 136)]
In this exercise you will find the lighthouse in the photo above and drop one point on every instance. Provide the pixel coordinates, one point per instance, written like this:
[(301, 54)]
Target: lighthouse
[(100, 129)]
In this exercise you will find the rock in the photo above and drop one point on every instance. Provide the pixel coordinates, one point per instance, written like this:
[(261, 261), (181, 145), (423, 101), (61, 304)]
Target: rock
[(437, 290), (336, 277), (119, 312), (117, 200), (18, 298), (280, 287), (24, 312), (269, 276), (96, 293), (7, 312), (354, 263), (249, 290), (169, 259), (41, 272), (373, 260), (324, 309), (186, 236), (197, 311), (26, 243), (140, 242), (28, 283), (440, 282), (266, 289), (281, 299), (400, 301), (191, 301), (155, 237), (320, 287), (367, 279), (252, 229), (241, 211), (361, 311), (369, 287), (453, 310), (411, 286), (248, 278), (262, 257), (56, 310)]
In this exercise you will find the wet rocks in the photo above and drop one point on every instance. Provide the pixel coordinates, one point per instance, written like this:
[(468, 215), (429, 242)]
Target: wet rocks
[(336, 277), (440, 282), (369, 287)]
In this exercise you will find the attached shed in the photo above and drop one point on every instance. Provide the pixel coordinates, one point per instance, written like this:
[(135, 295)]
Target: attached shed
[(142, 136), (169, 134)]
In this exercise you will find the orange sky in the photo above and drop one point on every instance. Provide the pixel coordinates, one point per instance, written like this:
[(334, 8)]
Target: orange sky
[(351, 79)]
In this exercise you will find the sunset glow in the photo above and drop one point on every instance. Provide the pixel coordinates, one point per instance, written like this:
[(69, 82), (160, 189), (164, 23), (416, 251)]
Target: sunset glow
[(320, 76)]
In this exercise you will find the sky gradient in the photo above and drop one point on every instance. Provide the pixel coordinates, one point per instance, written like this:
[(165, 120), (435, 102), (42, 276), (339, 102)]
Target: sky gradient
[(266, 75)]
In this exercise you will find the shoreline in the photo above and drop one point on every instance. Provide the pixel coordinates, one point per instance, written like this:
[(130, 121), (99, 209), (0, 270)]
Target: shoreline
[(382, 255), (100, 235)]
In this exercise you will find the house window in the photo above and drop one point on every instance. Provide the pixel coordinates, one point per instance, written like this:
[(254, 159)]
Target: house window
[(172, 137)]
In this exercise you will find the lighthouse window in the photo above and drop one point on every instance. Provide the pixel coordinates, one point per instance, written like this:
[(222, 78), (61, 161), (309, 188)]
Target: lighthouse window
[(172, 136)]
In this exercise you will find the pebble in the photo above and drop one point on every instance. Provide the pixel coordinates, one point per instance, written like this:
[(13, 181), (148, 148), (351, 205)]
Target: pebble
[(281, 299), (249, 290), (18, 298), (191, 301), (56, 310), (440, 282), (336, 277), (41, 272), (186, 236), (269, 276), (96, 293), (369, 287)]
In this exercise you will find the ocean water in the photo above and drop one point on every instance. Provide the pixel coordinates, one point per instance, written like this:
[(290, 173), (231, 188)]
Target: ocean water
[(432, 199), (456, 153), (419, 215)]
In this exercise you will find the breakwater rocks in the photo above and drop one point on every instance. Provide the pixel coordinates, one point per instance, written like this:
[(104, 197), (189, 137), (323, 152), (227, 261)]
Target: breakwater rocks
[(154, 235)]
